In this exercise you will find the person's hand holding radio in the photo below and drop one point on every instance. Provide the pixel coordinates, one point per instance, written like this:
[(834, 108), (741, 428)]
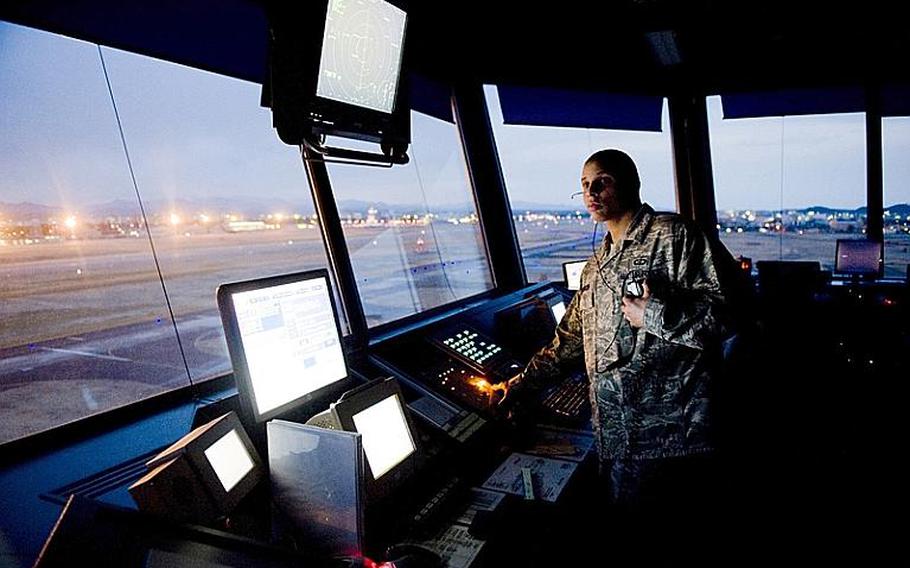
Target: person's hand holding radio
[(634, 299)]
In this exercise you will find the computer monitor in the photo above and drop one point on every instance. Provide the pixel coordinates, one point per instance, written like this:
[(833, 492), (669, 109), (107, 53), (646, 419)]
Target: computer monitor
[(377, 411), (572, 273), (360, 64), (336, 69), (230, 459), (557, 307), (203, 475), (859, 258), (284, 340)]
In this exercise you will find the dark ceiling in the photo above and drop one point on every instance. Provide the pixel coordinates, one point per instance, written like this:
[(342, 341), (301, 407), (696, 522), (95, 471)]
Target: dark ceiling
[(627, 45)]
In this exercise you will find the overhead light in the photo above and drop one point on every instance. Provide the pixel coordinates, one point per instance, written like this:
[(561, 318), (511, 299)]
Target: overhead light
[(665, 47)]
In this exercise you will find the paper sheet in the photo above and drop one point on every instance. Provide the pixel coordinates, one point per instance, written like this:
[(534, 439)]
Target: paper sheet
[(550, 476)]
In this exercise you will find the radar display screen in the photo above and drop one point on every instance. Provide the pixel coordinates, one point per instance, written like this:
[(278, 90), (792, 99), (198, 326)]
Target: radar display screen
[(361, 53)]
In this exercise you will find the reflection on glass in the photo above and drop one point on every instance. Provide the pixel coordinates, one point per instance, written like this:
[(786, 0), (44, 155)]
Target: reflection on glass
[(788, 187), (85, 323), (542, 168), (896, 147), (226, 200), (412, 230)]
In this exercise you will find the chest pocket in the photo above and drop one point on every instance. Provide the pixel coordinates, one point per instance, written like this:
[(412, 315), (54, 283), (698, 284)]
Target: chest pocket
[(601, 319), (634, 269), (655, 271)]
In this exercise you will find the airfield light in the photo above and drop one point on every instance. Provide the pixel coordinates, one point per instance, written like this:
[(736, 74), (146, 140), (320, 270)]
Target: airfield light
[(175, 219), (70, 222)]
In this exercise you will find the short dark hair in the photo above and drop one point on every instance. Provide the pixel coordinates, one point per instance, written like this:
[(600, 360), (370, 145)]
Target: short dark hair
[(621, 166)]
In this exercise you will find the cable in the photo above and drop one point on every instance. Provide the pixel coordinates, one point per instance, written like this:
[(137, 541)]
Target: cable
[(617, 324), (594, 237), (145, 220)]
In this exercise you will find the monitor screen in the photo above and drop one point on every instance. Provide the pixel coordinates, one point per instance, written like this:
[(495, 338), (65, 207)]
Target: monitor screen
[(572, 272), (229, 459), (203, 475), (558, 310), (859, 257), (284, 339), (386, 437), (377, 411), (361, 53)]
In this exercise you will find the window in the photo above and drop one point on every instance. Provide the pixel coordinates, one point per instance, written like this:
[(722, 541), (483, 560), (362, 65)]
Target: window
[(412, 231), (86, 323), (788, 187), (226, 199), (542, 168), (896, 146)]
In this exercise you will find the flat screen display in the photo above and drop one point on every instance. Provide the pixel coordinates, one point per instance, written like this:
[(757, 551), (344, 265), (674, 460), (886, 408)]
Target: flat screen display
[(361, 53), (858, 257), (290, 341), (572, 271), (230, 459), (386, 436), (558, 309)]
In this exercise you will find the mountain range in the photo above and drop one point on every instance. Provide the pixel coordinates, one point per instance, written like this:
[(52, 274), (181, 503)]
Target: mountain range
[(252, 208)]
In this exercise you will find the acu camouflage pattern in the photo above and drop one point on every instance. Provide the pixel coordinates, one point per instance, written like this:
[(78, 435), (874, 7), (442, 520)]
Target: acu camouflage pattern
[(649, 388)]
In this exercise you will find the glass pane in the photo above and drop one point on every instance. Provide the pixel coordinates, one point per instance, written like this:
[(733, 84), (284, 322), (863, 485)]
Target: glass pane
[(542, 168), (85, 324), (788, 187), (226, 200), (896, 148), (412, 230)]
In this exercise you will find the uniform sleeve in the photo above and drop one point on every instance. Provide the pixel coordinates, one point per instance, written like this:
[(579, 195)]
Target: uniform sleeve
[(692, 310), (565, 348)]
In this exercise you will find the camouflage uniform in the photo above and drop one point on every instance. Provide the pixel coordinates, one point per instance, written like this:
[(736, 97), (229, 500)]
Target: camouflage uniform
[(649, 388)]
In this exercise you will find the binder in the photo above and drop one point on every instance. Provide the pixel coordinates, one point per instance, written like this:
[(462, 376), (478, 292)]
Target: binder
[(317, 485)]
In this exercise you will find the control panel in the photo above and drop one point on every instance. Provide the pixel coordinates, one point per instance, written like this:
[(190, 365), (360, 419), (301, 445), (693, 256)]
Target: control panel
[(460, 358), (474, 349)]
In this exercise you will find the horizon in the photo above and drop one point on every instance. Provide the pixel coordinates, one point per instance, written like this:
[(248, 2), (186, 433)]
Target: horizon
[(182, 146), (348, 205)]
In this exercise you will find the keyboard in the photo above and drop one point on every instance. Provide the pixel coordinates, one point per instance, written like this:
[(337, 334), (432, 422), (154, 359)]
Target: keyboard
[(438, 507), (568, 399), (474, 350)]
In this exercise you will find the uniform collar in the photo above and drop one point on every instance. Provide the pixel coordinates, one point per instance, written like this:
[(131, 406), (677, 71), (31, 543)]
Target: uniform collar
[(637, 229), (640, 224)]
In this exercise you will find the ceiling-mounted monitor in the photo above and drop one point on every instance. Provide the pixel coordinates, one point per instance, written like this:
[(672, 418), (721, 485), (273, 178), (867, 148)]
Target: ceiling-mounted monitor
[(362, 46), (336, 69)]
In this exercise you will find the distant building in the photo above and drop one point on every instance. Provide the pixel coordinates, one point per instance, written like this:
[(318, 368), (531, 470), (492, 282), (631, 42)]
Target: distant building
[(247, 226)]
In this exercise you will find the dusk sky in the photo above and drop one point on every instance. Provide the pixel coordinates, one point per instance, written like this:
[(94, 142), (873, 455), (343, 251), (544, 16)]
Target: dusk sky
[(196, 135)]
